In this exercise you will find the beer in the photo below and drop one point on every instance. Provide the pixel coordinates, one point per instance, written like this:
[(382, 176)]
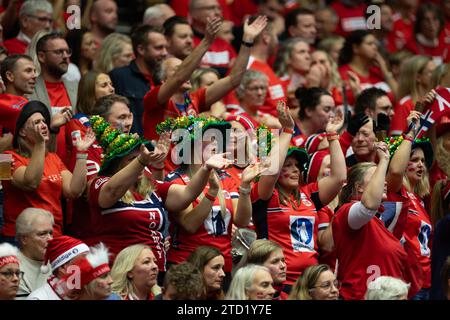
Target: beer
[(5, 166)]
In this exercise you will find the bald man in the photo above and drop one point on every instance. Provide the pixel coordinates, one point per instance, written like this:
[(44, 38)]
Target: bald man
[(103, 18)]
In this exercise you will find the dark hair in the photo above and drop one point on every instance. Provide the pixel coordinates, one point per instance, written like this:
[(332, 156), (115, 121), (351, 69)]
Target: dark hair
[(103, 105), (445, 276), (420, 16), (42, 42), (139, 35), (354, 38), (367, 99), (74, 40), (309, 98), (170, 24), (187, 280), (291, 17), (9, 64)]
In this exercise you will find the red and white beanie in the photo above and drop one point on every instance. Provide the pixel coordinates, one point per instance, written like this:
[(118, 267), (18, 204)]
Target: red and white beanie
[(315, 161), (61, 250), (8, 254), (94, 265)]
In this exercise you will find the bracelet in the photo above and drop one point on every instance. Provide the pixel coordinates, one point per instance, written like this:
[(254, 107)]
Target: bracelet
[(247, 44), (82, 156), (244, 191), (406, 137), (140, 162), (287, 130), (332, 136), (210, 197)]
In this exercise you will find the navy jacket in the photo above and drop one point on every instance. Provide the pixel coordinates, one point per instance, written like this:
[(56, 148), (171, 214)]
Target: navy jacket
[(439, 252), (131, 83)]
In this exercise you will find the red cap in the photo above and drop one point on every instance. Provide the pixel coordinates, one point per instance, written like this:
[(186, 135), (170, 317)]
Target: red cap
[(315, 162), (61, 250), (8, 254)]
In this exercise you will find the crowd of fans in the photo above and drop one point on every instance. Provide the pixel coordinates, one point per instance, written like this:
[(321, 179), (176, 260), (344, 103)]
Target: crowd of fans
[(240, 150)]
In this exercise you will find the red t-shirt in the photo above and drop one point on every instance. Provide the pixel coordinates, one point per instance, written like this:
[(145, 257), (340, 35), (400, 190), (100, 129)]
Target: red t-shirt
[(295, 230), (350, 18), (418, 232), (10, 107), (402, 31), (155, 113), (365, 254), (47, 196), (439, 52), (123, 224), (436, 174), (15, 46), (216, 228), (326, 257), (59, 99), (276, 91), (401, 113), (219, 55), (374, 79)]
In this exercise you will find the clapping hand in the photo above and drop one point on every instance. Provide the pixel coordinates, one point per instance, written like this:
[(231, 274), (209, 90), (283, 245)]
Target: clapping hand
[(251, 31), (212, 28), (335, 124), (382, 150), (218, 161), (61, 118), (253, 170), (284, 115), (86, 142)]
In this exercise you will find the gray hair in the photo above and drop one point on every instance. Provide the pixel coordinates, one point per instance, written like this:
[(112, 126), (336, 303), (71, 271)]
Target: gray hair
[(31, 7), (386, 288), (153, 12), (248, 77), (242, 282), (284, 55), (26, 219)]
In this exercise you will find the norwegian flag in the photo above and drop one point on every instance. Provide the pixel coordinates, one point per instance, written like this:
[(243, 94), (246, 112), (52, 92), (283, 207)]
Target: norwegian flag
[(438, 108)]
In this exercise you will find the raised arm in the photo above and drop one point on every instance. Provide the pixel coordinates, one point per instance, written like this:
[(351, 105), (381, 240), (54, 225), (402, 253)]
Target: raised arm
[(220, 88), (243, 211), (120, 182), (330, 186), (278, 153), (400, 160), (363, 211), (29, 177), (190, 63), (179, 197), (75, 184)]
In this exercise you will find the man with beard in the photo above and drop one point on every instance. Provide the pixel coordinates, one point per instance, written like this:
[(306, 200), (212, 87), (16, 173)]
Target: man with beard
[(179, 35), (103, 18), (136, 79), (59, 95)]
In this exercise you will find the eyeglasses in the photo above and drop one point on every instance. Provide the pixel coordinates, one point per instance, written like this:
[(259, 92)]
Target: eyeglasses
[(42, 19), (60, 52), (327, 285), (10, 274)]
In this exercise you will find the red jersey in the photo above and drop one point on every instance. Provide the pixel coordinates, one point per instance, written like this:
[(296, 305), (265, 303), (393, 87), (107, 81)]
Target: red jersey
[(294, 229), (123, 224), (439, 51), (154, 113), (418, 232), (374, 79), (10, 107), (215, 230), (402, 31), (365, 254), (325, 217), (276, 90), (350, 18), (15, 46), (59, 99), (401, 112), (219, 55), (298, 138), (436, 174), (47, 195)]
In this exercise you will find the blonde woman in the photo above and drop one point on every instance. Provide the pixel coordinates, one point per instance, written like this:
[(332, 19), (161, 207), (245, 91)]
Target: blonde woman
[(116, 51), (135, 273), (414, 83), (316, 283)]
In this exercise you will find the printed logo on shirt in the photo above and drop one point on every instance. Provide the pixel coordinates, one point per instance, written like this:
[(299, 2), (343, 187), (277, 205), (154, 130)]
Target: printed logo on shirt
[(215, 224), (75, 136), (305, 200), (424, 236), (276, 92), (99, 182), (54, 177), (353, 23), (302, 233)]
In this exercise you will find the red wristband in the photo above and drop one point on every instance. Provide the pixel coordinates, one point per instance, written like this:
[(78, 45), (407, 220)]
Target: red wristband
[(210, 197), (287, 130), (406, 137)]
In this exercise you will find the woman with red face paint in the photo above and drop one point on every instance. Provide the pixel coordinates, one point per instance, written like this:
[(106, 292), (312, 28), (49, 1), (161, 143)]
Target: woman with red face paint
[(408, 175), (285, 209)]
